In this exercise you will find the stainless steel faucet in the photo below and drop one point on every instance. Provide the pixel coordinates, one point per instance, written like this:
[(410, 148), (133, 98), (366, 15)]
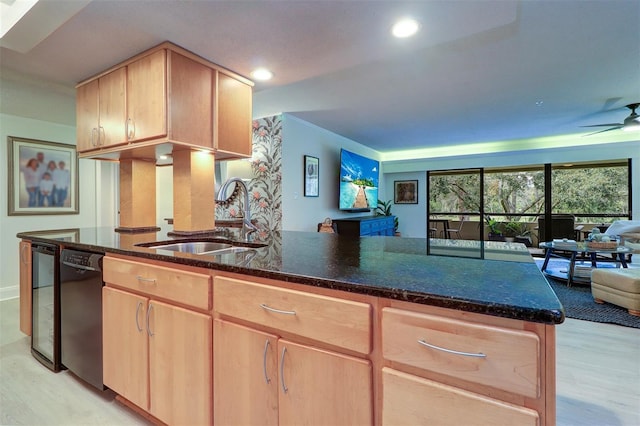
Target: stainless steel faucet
[(247, 227)]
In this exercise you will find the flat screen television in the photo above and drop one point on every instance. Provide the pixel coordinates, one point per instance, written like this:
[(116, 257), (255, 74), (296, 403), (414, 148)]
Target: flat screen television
[(358, 182)]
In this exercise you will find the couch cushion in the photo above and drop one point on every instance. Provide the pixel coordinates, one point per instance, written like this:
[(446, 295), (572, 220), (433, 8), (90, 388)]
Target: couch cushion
[(623, 279)]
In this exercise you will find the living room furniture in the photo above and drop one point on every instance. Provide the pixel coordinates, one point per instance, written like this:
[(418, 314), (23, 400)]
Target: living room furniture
[(617, 286), (562, 226), (366, 226), (628, 231), (328, 226), (449, 232), (434, 224), (567, 252)]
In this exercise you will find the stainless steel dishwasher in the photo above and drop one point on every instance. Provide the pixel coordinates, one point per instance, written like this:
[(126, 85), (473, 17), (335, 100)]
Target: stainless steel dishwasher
[(81, 314)]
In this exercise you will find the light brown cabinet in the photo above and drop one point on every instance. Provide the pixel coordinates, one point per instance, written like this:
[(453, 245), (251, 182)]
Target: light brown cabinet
[(158, 355), (164, 96), (101, 112), (478, 373), (413, 400), (147, 97), (232, 120), (25, 287), (125, 345), (263, 378), (264, 352)]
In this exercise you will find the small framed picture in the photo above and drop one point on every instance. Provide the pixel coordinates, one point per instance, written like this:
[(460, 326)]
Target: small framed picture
[(405, 192), (43, 177), (311, 176)]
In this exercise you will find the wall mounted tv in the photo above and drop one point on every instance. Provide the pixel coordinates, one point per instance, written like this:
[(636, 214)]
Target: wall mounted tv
[(358, 182)]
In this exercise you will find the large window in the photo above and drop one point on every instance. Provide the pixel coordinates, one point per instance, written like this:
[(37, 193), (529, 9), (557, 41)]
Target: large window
[(454, 192), (595, 193), (514, 194)]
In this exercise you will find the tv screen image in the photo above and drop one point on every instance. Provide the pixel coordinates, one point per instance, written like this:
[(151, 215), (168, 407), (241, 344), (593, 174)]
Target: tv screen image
[(358, 182)]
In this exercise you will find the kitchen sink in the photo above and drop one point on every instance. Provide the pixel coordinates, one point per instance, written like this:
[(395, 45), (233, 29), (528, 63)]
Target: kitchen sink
[(196, 247), (204, 247)]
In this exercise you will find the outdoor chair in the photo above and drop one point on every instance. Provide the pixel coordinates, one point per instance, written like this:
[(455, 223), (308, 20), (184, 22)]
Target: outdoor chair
[(562, 226), (455, 231)]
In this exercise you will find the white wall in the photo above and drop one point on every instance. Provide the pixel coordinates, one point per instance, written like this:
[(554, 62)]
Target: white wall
[(300, 138), (11, 225), (412, 218), (164, 194)]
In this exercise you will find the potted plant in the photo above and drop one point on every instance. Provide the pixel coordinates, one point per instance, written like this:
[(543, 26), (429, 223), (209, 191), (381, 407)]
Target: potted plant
[(384, 209), (518, 232), (493, 228)]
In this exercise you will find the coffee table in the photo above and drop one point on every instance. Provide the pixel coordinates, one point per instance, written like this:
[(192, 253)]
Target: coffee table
[(618, 255)]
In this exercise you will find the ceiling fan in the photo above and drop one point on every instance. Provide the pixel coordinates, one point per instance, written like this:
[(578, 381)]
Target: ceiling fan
[(632, 122)]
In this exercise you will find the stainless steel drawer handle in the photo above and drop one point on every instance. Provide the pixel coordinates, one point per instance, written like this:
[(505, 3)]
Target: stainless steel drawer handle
[(146, 280), (137, 314), (284, 387), (451, 351), (264, 361), (149, 308), (277, 311)]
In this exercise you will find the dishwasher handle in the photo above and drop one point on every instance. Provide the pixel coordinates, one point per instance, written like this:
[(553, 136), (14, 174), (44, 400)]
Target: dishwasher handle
[(76, 266)]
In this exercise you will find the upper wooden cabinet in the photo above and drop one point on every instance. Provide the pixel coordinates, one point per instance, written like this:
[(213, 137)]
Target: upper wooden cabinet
[(101, 111), (232, 118), (166, 95), (147, 97)]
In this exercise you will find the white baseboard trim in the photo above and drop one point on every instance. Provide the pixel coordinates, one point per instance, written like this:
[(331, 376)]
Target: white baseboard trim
[(7, 293)]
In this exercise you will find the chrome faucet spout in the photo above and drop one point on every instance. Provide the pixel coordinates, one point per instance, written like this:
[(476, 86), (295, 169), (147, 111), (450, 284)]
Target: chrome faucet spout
[(248, 227)]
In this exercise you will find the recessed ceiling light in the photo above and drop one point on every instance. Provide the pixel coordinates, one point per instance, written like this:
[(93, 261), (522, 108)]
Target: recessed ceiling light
[(405, 28), (262, 74)]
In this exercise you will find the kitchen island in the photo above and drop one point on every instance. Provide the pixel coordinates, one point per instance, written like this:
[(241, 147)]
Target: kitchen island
[(344, 330)]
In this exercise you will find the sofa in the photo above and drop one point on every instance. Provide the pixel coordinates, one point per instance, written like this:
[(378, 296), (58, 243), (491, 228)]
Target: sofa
[(619, 286)]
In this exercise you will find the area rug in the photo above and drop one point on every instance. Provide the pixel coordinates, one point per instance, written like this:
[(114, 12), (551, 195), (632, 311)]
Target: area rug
[(578, 304)]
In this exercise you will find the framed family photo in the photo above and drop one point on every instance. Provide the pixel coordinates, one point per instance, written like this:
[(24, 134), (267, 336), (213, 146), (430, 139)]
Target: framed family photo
[(311, 176), (43, 177), (405, 192)]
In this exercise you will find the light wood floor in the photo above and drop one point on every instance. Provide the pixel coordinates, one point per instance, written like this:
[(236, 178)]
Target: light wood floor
[(598, 380)]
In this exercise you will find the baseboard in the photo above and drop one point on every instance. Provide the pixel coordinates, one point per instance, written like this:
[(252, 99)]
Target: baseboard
[(7, 293)]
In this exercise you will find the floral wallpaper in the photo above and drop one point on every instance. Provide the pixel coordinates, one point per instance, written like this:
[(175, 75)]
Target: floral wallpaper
[(265, 188)]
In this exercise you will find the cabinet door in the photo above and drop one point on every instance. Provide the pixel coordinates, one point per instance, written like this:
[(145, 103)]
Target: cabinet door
[(87, 120), (232, 122), (190, 101), (180, 363), (412, 400), (323, 388), (25, 287), (245, 382), (146, 97), (125, 345), (112, 110)]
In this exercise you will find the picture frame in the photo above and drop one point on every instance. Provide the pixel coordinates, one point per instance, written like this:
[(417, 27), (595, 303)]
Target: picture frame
[(405, 192), (311, 176), (43, 177)]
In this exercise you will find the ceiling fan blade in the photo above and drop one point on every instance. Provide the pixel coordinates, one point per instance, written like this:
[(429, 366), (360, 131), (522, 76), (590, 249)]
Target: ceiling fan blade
[(601, 131), (619, 125)]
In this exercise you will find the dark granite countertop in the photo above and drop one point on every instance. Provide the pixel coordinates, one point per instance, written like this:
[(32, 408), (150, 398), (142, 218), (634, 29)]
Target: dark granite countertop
[(506, 283)]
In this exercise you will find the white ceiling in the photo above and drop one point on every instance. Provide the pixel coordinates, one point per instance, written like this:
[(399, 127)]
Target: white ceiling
[(476, 71)]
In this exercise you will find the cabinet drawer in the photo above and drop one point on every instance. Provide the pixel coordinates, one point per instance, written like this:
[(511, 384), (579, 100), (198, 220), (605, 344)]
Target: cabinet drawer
[(510, 361), (365, 228), (184, 287), (334, 321), (405, 403)]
